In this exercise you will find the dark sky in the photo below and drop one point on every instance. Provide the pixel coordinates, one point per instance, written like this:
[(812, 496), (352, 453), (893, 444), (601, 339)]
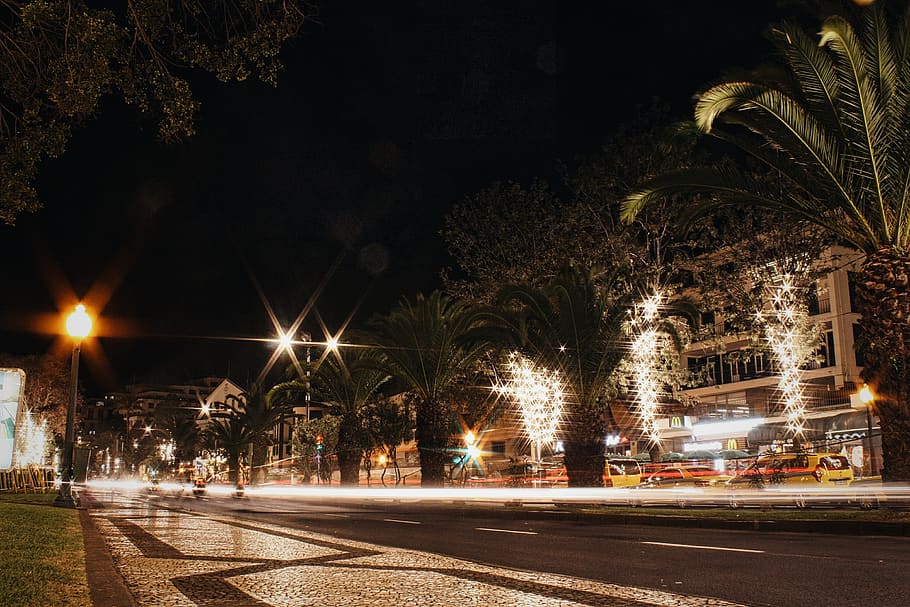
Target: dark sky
[(386, 115)]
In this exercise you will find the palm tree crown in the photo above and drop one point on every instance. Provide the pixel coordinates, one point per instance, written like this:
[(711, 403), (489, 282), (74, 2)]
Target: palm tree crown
[(836, 130)]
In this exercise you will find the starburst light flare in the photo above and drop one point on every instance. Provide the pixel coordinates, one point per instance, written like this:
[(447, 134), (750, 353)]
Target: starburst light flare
[(785, 329), (33, 444), (646, 347), (540, 396)]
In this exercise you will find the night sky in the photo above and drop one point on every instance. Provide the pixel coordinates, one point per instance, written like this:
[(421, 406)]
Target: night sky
[(386, 115)]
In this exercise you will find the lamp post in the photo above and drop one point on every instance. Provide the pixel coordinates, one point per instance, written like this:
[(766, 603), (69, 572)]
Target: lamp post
[(78, 326), (868, 399), (471, 451)]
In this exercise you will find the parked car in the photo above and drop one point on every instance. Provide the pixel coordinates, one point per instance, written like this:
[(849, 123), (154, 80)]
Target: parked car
[(622, 472), (795, 469), (798, 478)]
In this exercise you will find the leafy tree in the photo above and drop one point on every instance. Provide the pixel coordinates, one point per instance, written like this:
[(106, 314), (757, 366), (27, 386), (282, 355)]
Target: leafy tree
[(61, 57), (348, 381), (428, 345), (509, 234), (304, 443), (389, 423), (575, 327), (835, 127)]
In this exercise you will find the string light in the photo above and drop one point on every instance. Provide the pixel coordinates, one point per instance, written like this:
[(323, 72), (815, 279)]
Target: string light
[(540, 396), (785, 328), (645, 358), (33, 444)]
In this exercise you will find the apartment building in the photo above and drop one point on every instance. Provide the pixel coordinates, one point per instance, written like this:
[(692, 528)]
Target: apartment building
[(740, 405)]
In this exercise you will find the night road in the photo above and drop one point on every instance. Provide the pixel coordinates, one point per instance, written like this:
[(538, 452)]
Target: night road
[(749, 568)]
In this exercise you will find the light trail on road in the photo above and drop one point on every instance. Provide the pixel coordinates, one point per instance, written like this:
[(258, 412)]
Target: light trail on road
[(797, 496), (704, 547)]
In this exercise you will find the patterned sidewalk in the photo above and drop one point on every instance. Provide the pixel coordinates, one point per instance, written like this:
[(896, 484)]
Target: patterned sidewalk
[(171, 558)]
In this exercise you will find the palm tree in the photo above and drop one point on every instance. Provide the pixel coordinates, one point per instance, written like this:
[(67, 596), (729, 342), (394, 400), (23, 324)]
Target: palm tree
[(230, 434), (835, 130), (575, 328), (428, 345), (348, 381), (247, 424)]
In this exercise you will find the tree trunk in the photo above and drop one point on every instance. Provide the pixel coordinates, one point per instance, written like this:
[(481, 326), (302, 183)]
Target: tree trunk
[(234, 467), (349, 465), (884, 301), (258, 459), (432, 439), (584, 444)]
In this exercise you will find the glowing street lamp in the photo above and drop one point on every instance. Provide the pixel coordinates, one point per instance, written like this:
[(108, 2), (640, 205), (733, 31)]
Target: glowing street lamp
[(78, 326), (867, 397)]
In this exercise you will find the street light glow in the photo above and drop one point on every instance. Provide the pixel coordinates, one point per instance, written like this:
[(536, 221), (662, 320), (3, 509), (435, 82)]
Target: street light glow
[(79, 323), (284, 340), (331, 344), (865, 395)]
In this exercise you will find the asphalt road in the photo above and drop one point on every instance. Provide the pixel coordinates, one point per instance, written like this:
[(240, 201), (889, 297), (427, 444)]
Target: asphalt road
[(754, 568)]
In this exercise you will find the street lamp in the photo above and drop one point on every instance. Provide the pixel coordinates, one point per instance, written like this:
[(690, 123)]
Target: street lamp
[(471, 451), (78, 326), (868, 399)]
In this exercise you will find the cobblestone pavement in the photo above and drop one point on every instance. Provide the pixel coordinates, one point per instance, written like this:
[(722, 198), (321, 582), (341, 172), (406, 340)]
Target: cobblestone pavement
[(178, 558)]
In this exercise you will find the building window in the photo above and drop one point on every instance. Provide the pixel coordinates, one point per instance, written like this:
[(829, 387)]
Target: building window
[(851, 289), (859, 339)]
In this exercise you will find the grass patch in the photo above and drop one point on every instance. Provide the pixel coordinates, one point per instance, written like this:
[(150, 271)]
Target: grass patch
[(42, 554)]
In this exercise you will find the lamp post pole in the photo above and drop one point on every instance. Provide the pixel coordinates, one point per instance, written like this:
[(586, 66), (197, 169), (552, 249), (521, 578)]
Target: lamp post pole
[(868, 399), (78, 325)]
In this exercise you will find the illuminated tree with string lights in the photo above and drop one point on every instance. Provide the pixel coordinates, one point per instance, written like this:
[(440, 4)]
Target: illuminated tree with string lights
[(539, 395), (574, 327)]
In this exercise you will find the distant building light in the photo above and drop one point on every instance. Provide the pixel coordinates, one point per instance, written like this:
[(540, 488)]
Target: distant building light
[(726, 429)]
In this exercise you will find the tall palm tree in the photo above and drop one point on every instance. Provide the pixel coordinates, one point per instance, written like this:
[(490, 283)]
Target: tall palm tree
[(247, 423), (348, 381), (835, 129), (576, 328), (260, 412), (233, 436), (427, 346)]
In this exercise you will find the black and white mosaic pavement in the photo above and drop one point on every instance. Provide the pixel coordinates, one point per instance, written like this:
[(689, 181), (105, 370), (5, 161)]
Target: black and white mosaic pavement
[(174, 558)]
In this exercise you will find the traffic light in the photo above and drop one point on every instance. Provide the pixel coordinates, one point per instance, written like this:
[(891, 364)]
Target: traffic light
[(320, 448)]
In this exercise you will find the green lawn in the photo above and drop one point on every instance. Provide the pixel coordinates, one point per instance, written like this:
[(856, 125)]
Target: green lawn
[(42, 558)]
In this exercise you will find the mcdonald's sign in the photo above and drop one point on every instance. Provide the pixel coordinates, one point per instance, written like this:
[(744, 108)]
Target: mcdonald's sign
[(676, 422), (731, 444)]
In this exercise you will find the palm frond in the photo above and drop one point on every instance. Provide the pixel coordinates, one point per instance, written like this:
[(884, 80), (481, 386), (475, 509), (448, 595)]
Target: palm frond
[(732, 187), (814, 72), (862, 104), (782, 122)]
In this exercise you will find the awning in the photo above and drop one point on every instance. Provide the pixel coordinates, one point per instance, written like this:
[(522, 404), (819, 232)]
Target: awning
[(819, 426)]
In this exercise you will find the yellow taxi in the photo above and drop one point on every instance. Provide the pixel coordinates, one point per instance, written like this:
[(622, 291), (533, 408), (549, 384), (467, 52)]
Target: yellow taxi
[(622, 472), (800, 479), (813, 469)]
